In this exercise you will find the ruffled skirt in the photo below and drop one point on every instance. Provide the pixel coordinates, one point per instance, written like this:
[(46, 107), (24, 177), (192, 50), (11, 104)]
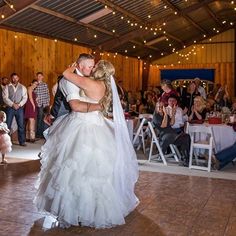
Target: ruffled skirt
[(76, 179), (5, 143)]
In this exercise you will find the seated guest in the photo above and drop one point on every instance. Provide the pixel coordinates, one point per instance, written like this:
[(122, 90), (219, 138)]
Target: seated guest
[(198, 111), (225, 157), (140, 108), (150, 104), (233, 108), (179, 115), (167, 135), (168, 90)]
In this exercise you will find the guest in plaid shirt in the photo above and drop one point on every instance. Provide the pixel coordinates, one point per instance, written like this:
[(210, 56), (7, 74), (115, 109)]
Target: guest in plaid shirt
[(43, 100)]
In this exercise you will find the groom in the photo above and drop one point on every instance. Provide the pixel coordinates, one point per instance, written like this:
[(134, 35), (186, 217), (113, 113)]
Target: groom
[(67, 94)]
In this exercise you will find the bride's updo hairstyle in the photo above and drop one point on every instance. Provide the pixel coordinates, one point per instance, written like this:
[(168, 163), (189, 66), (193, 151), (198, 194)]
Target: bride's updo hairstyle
[(103, 71)]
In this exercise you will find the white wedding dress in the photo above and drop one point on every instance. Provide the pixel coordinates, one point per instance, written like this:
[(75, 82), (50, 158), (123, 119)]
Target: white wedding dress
[(81, 179)]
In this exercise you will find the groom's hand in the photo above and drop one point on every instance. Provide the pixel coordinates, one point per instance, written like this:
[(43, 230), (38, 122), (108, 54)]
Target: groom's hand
[(48, 119)]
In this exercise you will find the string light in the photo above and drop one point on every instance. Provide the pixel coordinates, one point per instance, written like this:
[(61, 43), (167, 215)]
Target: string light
[(151, 28)]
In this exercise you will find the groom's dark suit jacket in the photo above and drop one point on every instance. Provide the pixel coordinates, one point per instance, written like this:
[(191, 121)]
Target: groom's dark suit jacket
[(60, 105)]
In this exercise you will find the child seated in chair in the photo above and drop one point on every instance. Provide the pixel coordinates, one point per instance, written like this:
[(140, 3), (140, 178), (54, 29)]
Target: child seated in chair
[(5, 140)]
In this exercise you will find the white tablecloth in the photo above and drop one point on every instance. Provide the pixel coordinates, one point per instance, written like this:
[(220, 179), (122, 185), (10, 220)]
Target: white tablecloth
[(223, 135)]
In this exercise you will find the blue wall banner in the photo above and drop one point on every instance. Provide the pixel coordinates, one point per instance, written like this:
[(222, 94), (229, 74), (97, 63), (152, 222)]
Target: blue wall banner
[(175, 74)]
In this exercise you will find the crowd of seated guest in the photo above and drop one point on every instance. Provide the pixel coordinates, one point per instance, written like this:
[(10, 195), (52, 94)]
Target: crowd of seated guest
[(173, 107)]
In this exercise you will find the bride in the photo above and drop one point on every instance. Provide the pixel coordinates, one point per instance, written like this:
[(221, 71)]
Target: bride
[(89, 167)]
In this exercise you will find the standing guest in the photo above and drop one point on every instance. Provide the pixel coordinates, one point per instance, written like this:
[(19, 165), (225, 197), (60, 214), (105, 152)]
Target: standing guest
[(192, 92), (182, 91), (5, 140), (43, 99), (31, 112), (168, 90), (4, 82), (15, 97), (222, 97), (200, 89)]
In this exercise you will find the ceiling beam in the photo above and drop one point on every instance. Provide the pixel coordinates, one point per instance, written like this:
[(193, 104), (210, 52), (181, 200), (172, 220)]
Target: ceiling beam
[(19, 7), (121, 10), (213, 15), (184, 15), (70, 19), (116, 41), (36, 34), (11, 6), (67, 18)]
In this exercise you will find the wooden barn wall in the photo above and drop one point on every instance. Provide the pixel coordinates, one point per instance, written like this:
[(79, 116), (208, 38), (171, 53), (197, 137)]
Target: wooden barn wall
[(215, 53), (27, 54), (128, 70)]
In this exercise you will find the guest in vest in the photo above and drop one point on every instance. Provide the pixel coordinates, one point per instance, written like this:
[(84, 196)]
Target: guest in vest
[(43, 99), (15, 97)]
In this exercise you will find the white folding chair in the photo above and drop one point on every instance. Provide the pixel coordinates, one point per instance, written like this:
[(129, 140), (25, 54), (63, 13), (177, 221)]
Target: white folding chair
[(142, 131), (201, 138), (160, 154)]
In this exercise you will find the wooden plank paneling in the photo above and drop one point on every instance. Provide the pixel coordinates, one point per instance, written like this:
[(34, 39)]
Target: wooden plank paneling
[(218, 53), (27, 54)]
